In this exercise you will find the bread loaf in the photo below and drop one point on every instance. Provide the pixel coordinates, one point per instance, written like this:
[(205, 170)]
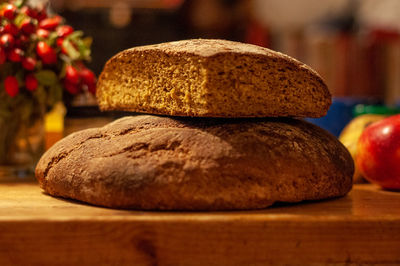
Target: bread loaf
[(159, 163), (211, 78)]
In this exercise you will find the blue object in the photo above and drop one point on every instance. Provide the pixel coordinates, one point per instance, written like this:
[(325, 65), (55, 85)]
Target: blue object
[(339, 114)]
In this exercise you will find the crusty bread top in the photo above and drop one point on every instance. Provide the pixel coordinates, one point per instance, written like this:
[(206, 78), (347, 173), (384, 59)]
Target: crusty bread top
[(151, 162), (212, 47), (207, 47)]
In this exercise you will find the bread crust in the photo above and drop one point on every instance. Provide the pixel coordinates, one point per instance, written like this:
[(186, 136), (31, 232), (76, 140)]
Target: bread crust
[(293, 88), (160, 163)]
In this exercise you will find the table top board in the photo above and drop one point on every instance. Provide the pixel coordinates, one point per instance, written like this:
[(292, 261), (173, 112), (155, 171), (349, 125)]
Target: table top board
[(362, 227)]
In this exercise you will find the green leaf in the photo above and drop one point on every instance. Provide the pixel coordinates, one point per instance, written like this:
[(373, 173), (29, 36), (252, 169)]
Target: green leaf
[(71, 50), (75, 35), (19, 3), (63, 70), (83, 50), (19, 18), (46, 77), (87, 41), (55, 94), (52, 38)]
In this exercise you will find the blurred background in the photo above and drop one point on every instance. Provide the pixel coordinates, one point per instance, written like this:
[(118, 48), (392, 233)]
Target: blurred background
[(353, 44)]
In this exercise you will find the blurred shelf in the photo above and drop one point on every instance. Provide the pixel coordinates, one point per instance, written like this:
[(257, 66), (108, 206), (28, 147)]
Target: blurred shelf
[(149, 4)]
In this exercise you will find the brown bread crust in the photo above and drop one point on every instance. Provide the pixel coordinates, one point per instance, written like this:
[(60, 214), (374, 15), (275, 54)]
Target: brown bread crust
[(211, 78), (159, 163)]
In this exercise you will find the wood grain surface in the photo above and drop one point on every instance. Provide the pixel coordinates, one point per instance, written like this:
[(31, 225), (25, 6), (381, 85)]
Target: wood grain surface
[(361, 228)]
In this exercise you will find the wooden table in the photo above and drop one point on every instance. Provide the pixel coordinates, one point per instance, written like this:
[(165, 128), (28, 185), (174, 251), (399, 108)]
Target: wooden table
[(361, 228)]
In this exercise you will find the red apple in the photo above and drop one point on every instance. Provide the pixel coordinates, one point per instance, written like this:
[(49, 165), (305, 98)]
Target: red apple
[(378, 153)]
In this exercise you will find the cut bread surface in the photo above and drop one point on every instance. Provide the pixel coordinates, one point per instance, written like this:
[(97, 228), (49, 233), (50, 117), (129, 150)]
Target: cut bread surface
[(211, 78)]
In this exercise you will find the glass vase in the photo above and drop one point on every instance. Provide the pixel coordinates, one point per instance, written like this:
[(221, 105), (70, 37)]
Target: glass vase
[(21, 142)]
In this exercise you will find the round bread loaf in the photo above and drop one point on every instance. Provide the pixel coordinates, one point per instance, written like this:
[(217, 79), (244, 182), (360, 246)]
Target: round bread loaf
[(160, 163)]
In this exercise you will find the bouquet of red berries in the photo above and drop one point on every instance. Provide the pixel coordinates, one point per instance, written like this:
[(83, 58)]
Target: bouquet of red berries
[(40, 56), (42, 60)]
